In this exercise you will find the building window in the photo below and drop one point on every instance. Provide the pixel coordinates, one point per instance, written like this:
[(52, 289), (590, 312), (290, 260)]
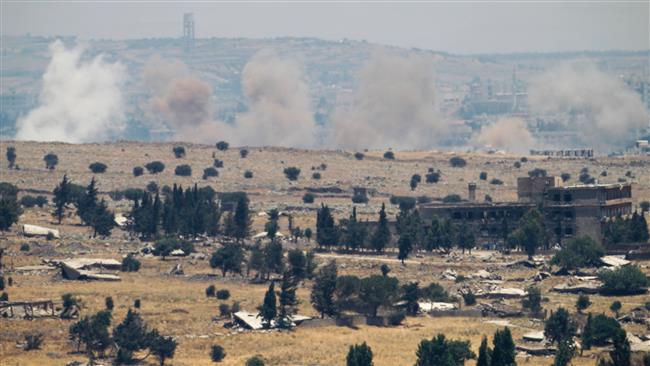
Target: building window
[(556, 197), (568, 231), (567, 197), (568, 214), (457, 215)]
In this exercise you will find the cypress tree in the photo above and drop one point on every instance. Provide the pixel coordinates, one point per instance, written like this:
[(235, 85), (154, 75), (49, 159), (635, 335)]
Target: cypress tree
[(268, 311), (288, 300), (503, 353), (61, 198), (484, 354), (359, 355), (322, 293), (381, 236), (241, 219)]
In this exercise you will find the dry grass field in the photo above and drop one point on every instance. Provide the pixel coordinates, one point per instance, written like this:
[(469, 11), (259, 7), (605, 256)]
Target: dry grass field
[(177, 305)]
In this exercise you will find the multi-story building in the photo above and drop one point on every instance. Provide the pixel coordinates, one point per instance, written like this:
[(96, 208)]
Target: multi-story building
[(568, 210)]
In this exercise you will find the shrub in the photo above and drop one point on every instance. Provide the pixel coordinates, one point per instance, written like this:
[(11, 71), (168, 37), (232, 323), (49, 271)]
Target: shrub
[(433, 177), (624, 280), (133, 194), (224, 310), (152, 187), (109, 303), (218, 353), (533, 300), (11, 156), (482, 176), (97, 167), (28, 201), (582, 303), (4, 296), (359, 198), (138, 171), (315, 175), (599, 330), (155, 167), (255, 361), (222, 146), (308, 198), (243, 153), (496, 181), (130, 264), (451, 198), (615, 307), (33, 341), (457, 162), (179, 151), (405, 203), (358, 156), (223, 294), (603, 173), (210, 172), (415, 180), (537, 172), (517, 165), (210, 291), (565, 177), (217, 163), (183, 170), (24, 247), (523, 159), (469, 298), (389, 155), (396, 318), (292, 173), (248, 174), (579, 252), (424, 199), (51, 161), (137, 303)]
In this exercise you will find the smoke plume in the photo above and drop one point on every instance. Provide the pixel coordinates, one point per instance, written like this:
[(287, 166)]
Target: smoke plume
[(80, 101), (612, 112), (510, 134), (279, 104), (394, 106)]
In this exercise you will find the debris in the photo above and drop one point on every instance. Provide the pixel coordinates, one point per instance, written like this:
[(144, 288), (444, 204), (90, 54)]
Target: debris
[(583, 288), (86, 269), (177, 270), (33, 230), (537, 336), (177, 253), (120, 220), (499, 309), (428, 307), (542, 275), (449, 274), (614, 261), (27, 309), (505, 293), (254, 320), (536, 350)]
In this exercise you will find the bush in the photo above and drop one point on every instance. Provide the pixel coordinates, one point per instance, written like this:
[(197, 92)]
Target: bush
[(625, 280), (582, 303), (523, 159), (24, 247), (183, 170), (396, 318), (243, 153), (565, 177), (579, 252), (210, 172), (137, 303), (155, 167), (4, 296), (152, 187), (315, 175), (33, 341), (292, 173), (415, 180), (29, 201), (210, 291), (179, 151), (255, 361), (51, 161), (533, 300), (405, 203), (130, 264), (389, 155), (599, 330), (308, 198), (138, 171), (224, 310), (248, 174), (217, 163), (222, 146), (451, 198), (358, 156), (109, 303), (133, 194), (517, 165), (97, 167), (482, 176), (223, 294), (496, 181), (537, 172), (457, 162), (469, 298), (359, 198), (218, 353), (433, 177)]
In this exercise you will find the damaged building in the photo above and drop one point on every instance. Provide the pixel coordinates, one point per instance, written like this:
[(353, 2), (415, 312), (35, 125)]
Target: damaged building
[(568, 210)]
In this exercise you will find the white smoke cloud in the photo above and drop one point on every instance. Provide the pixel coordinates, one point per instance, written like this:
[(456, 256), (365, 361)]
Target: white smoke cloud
[(612, 111), (394, 106), (510, 134), (80, 101), (279, 104)]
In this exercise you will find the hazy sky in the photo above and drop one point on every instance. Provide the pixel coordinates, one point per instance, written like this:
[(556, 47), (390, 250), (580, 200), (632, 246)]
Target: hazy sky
[(458, 27)]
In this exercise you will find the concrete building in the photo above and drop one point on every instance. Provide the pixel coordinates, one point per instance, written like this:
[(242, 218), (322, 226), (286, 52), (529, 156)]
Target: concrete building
[(568, 210)]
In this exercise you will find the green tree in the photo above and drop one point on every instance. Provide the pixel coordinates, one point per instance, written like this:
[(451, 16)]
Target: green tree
[(297, 264), (161, 346), (268, 310), (255, 361), (359, 355), (228, 258), (322, 293), (530, 234), (442, 352), (10, 209), (381, 236), (582, 303), (273, 258), (11, 156), (287, 300), (466, 238), (410, 295), (217, 353), (624, 280), (616, 307), (533, 300), (559, 326), (51, 161), (503, 353), (376, 291), (484, 353), (579, 252), (130, 336), (326, 231), (353, 232), (241, 219), (404, 246), (62, 197), (565, 353)]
